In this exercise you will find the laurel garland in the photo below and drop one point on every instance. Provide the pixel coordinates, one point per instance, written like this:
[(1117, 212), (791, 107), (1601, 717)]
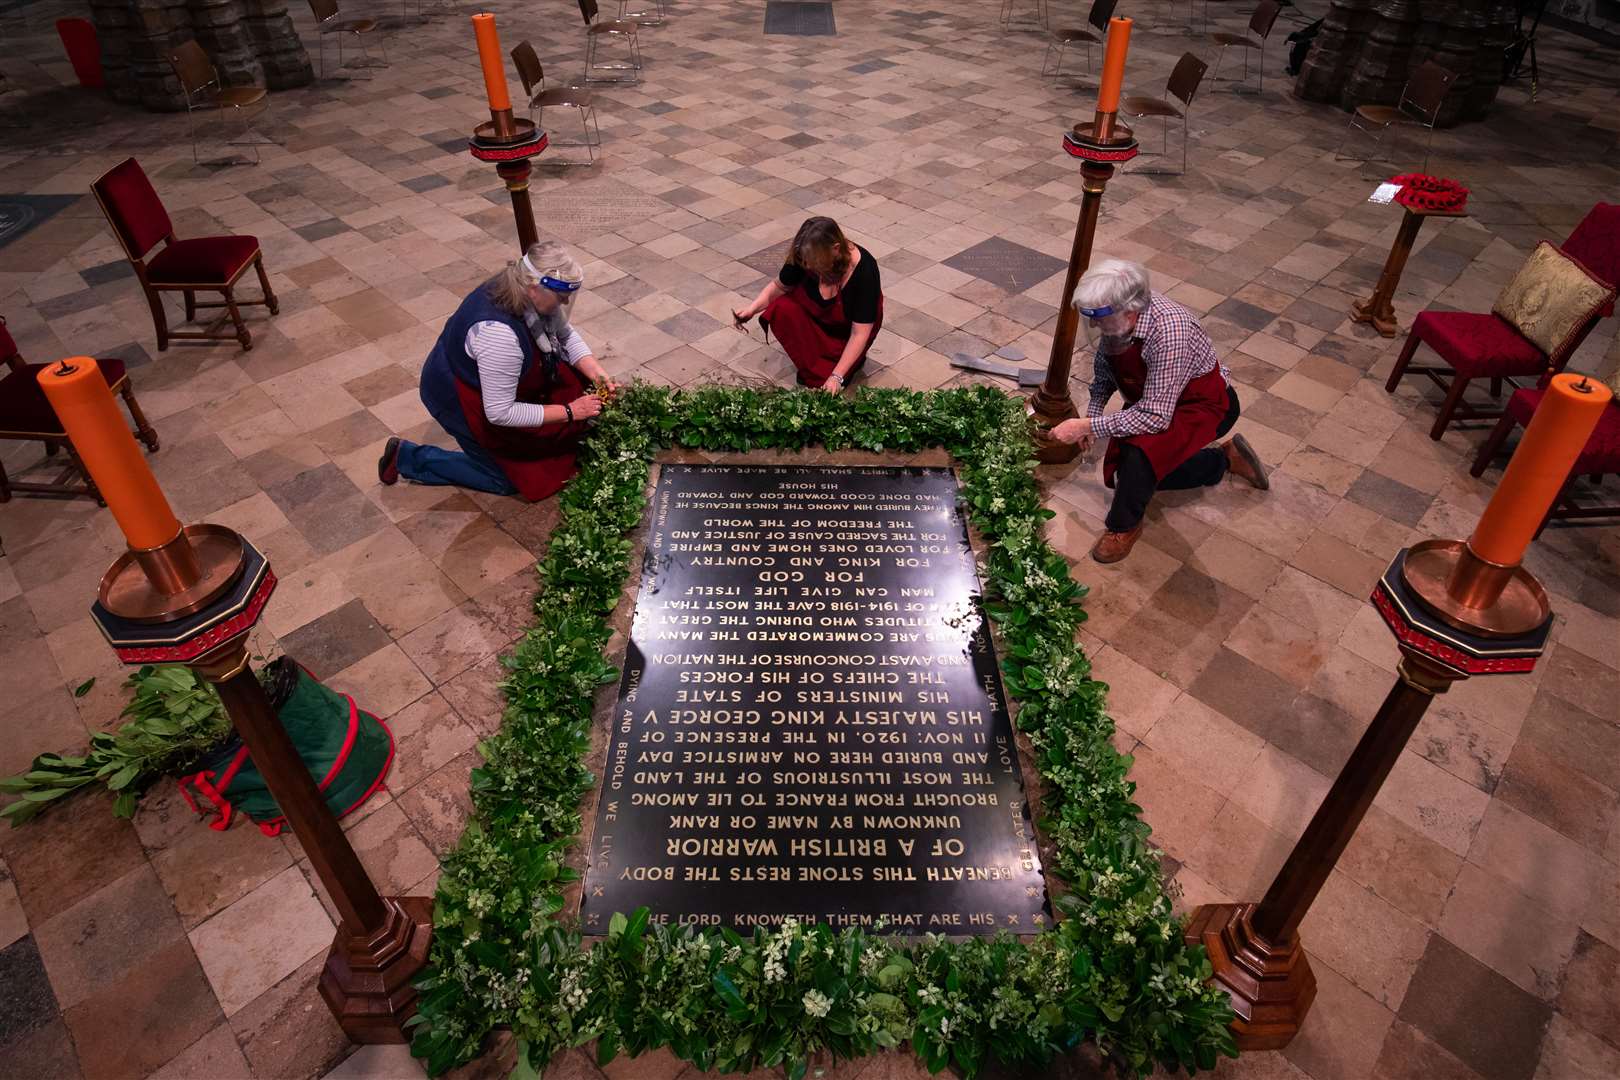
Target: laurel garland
[(1114, 969)]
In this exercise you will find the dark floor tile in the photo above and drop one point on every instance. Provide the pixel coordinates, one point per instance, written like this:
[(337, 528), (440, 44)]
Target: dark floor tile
[(1390, 498), (1196, 598), (47, 881), (45, 1053), (1589, 996), (1276, 413), (1011, 266), (320, 230), (1317, 732), (690, 326), (1590, 687), (801, 140), (1563, 799), (107, 271), (335, 640), (27, 1002), (1246, 315), (428, 182), (1486, 1021), (436, 92), (327, 508), (103, 938), (1408, 1054), (133, 1026), (1249, 694)]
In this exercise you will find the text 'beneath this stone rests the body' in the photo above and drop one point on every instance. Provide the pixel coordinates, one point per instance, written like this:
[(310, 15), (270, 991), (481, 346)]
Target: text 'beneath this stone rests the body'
[(811, 723)]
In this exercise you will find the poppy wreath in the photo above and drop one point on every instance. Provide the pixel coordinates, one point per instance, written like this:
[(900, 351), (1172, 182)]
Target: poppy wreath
[(1422, 192)]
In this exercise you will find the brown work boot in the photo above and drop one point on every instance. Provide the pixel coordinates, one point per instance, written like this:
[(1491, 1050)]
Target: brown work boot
[(1243, 463), (1112, 546)]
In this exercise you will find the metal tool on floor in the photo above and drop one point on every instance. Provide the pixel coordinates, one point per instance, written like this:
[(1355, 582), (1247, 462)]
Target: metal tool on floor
[(1026, 376)]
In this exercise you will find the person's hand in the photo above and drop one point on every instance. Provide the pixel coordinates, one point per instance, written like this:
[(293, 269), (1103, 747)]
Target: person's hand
[(739, 320), (586, 407), (1077, 430)]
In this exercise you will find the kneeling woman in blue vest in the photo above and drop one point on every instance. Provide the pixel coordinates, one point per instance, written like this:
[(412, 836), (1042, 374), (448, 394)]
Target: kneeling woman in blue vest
[(509, 379)]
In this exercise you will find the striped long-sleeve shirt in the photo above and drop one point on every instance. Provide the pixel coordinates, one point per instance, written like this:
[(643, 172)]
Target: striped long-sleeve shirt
[(500, 364), (1175, 351)]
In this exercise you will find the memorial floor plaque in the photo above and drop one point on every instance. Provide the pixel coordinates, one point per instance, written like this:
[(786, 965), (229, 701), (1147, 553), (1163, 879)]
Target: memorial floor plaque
[(811, 721)]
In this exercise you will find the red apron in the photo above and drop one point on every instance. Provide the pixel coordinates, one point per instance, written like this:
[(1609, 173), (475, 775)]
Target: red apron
[(538, 461), (813, 333), (1199, 411)]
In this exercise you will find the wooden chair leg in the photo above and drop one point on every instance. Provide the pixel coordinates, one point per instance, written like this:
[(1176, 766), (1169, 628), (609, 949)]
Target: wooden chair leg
[(51, 447), (1563, 493), (191, 305), (160, 320), (1453, 399), (242, 334), (1401, 362), (148, 434), (264, 282), (1496, 386), (5, 484), (89, 483), (1493, 445)]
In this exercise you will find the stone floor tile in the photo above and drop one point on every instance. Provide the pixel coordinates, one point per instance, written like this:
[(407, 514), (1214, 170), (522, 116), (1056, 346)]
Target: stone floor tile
[(1280, 790), (378, 1062), (1342, 923), (1245, 692), (257, 941), (25, 992), (1194, 738), (1500, 927), (382, 683), (446, 646), (440, 804), (336, 640), (427, 734), (204, 871), (46, 882), (1573, 1052), (1587, 995), (1178, 807), (1345, 1031), (1547, 867), (389, 848), (44, 1053), (215, 1056), (287, 1032), (1562, 798), (107, 936), (133, 1025), (1479, 1016), (1412, 872), (1239, 853), (1137, 698), (1279, 645), (1432, 801), (1408, 1054)]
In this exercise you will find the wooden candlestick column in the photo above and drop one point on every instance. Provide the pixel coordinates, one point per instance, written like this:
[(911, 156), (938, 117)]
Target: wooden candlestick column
[(1100, 145), (1457, 609), (507, 141), (193, 597)]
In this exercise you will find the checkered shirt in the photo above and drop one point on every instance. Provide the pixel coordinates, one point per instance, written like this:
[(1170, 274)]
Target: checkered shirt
[(1175, 350)]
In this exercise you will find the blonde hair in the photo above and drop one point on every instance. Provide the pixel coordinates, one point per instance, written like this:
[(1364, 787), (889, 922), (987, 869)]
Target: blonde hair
[(510, 288)]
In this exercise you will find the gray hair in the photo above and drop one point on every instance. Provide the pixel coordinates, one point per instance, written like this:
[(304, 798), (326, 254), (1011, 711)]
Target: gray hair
[(1114, 283), (510, 288)]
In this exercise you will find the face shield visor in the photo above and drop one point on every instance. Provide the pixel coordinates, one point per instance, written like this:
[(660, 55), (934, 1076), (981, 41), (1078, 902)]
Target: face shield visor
[(1108, 327)]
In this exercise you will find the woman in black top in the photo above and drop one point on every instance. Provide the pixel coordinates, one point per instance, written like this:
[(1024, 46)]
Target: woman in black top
[(825, 306)]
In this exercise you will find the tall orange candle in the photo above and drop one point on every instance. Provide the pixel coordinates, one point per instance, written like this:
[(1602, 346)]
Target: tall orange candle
[(1113, 73), (1564, 420), (489, 56), (103, 441)]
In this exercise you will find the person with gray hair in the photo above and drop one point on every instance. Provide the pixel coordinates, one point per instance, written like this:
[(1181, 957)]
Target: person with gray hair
[(509, 380), (1178, 399)]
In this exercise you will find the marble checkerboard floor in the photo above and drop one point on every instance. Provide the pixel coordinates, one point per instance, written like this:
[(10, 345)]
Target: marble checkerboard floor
[(1471, 929)]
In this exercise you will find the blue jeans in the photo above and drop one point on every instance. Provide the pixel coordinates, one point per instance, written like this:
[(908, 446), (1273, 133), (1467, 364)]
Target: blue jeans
[(472, 467)]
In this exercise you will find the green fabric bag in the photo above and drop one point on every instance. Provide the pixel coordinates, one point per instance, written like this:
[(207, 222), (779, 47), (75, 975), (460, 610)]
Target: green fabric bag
[(348, 752)]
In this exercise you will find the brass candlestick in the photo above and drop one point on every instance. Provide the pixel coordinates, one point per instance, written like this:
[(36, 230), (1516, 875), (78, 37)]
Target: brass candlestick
[(1099, 145)]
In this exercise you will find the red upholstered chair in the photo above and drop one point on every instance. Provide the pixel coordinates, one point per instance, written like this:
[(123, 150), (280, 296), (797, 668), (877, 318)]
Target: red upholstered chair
[(26, 414), (1486, 346), (1601, 456), (200, 264)]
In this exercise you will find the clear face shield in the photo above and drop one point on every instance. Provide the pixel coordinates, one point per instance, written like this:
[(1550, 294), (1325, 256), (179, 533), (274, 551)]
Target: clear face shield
[(1108, 328), (564, 291)]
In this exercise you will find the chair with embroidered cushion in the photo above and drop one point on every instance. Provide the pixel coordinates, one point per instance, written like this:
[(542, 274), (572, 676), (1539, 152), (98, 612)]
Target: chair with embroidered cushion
[(1599, 458), (1488, 346), (1183, 86), (26, 414), (598, 28), (533, 75), (1265, 16), (198, 264), (1062, 38), (199, 80)]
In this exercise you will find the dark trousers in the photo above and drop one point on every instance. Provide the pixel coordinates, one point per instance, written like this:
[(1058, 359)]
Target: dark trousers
[(1134, 482)]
